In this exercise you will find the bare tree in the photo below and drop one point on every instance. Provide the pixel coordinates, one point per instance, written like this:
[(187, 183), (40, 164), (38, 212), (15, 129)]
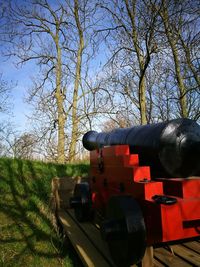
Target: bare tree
[(5, 95), (180, 20), (132, 32), (154, 63), (53, 37), (23, 147), (35, 32), (173, 39), (77, 82), (152, 70), (8, 135)]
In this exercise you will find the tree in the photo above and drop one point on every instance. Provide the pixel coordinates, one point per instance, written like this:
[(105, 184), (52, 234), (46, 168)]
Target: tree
[(74, 135), (151, 74), (53, 37), (23, 147), (5, 95), (132, 34), (35, 32), (169, 26), (5, 112), (154, 58), (180, 20)]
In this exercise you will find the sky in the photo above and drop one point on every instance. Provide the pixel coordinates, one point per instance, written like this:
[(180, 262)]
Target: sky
[(20, 78)]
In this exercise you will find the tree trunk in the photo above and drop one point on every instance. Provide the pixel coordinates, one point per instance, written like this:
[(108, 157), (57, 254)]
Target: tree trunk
[(74, 136), (142, 101), (189, 61), (142, 85), (60, 106), (179, 78)]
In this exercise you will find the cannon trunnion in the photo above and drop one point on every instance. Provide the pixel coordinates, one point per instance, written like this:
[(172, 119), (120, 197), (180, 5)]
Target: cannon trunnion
[(140, 209)]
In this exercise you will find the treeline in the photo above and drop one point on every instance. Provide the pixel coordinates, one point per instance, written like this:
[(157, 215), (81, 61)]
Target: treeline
[(109, 63)]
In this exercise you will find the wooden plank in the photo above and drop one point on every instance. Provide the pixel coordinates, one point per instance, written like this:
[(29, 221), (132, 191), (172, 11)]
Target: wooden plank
[(93, 233), (167, 258), (86, 239), (95, 236), (85, 249), (187, 254), (147, 260), (156, 263), (193, 245)]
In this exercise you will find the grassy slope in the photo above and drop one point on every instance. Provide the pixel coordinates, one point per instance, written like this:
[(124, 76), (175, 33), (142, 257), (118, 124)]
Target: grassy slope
[(27, 237)]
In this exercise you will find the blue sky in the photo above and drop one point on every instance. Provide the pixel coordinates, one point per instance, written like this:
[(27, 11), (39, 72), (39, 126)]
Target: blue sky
[(20, 78)]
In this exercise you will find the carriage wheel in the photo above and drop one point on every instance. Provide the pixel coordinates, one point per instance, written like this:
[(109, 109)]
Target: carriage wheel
[(82, 202), (124, 230)]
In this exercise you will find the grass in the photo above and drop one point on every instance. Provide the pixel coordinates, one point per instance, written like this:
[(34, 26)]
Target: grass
[(27, 235)]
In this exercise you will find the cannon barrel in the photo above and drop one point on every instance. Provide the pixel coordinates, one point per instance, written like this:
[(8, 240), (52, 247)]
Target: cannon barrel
[(171, 149)]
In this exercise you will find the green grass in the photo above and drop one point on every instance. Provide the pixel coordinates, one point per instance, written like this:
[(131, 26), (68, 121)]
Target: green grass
[(27, 235)]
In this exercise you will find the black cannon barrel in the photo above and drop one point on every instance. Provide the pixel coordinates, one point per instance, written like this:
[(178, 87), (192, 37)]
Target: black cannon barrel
[(171, 149)]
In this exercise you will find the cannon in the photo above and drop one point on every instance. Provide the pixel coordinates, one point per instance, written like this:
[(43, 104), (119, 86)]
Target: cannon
[(171, 149), (145, 184)]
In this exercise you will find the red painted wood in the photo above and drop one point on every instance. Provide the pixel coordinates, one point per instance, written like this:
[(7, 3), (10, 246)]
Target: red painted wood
[(115, 171)]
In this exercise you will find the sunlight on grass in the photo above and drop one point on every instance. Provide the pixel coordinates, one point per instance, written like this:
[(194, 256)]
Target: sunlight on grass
[(27, 235)]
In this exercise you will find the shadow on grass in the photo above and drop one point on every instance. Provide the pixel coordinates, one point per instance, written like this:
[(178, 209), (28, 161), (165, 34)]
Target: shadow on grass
[(29, 230)]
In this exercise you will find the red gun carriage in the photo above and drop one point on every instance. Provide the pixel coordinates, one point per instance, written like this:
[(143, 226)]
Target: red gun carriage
[(145, 182)]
